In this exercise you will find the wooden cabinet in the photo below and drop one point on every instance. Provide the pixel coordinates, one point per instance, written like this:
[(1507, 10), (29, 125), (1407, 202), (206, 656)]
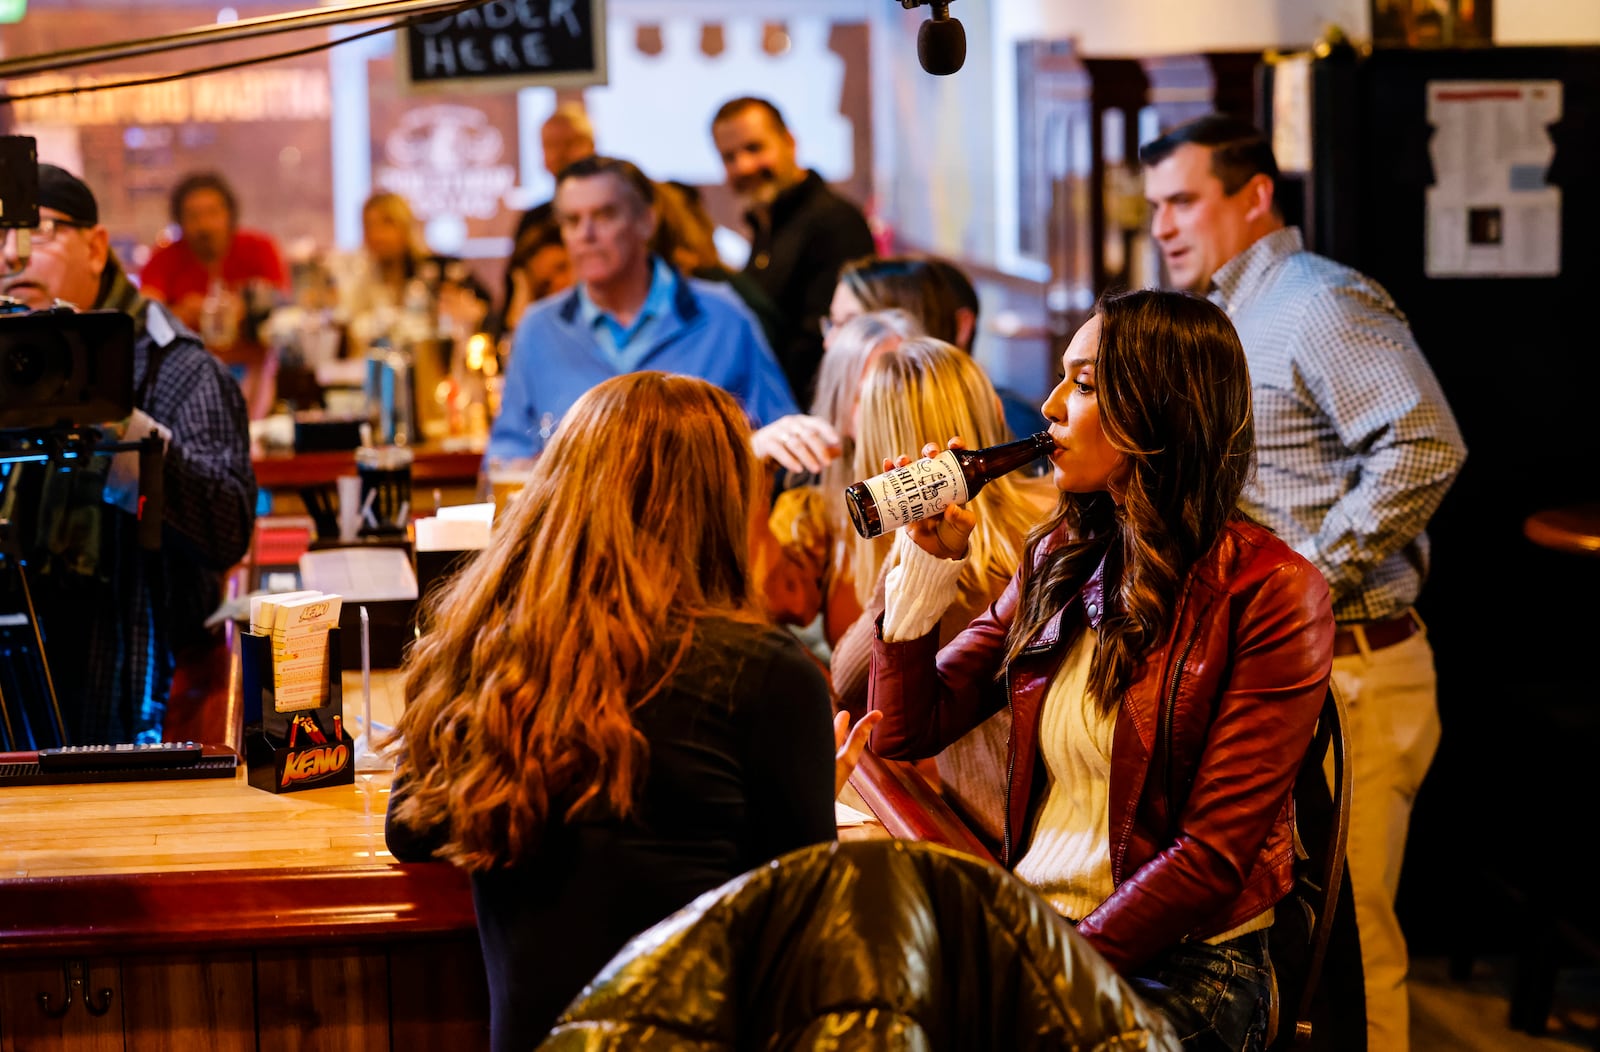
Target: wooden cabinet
[(61, 1006), (415, 995), (188, 1001)]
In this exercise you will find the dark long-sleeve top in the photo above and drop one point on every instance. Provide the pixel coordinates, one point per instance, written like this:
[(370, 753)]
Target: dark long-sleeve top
[(795, 259), (740, 771)]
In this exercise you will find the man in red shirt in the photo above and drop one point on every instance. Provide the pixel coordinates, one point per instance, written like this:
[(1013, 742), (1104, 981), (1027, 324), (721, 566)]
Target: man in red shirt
[(220, 279)]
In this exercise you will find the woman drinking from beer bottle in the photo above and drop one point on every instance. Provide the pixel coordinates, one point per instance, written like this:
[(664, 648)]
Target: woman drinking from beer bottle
[(1164, 660)]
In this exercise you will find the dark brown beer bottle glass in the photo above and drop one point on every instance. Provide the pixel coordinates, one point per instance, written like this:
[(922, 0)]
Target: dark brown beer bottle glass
[(924, 488)]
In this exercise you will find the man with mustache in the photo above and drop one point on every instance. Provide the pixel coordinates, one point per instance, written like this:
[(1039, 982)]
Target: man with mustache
[(802, 232), (116, 615)]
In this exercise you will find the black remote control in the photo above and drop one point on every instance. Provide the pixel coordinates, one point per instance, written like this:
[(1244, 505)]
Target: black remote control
[(119, 757)]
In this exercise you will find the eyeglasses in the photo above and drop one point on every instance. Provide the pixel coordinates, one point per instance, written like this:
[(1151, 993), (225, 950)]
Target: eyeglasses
[(45, 232)]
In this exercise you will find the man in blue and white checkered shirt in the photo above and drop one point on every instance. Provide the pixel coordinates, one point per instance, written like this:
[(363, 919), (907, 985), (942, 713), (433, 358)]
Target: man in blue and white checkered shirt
[(1356, 447)]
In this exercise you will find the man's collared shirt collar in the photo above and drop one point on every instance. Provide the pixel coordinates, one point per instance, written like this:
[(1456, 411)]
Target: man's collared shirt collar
[(1238, 278), (613, 337)]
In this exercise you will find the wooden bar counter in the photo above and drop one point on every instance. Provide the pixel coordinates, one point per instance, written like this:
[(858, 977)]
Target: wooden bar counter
[(207, 914), (452, 471)]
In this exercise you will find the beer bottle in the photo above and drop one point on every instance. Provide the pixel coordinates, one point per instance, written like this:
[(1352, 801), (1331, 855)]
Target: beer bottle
[(924, 488)]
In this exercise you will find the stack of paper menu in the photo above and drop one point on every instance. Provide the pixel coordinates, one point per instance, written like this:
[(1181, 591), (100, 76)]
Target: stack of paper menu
[(298, 623)]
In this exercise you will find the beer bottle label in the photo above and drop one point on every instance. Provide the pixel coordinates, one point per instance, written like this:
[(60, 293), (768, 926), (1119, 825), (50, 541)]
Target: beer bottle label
[(920, 490)]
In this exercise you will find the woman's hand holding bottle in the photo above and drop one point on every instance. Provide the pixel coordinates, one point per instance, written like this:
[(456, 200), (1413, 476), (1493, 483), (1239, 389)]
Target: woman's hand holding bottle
[(944, 535)]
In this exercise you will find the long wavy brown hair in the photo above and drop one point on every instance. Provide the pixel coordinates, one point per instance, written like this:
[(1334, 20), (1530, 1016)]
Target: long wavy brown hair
[(634, 525), (1174, 397)]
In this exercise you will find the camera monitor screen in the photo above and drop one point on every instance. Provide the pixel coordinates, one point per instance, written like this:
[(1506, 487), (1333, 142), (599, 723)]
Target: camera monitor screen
[(65, 368)]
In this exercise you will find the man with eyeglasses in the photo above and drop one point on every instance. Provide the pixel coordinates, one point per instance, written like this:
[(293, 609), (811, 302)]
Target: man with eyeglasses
[(115, 621)]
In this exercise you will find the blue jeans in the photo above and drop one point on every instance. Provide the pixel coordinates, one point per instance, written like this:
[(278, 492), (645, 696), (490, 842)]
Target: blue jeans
[(1214, 996)]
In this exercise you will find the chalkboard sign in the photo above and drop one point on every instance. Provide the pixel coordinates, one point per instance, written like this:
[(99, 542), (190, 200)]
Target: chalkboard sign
[(507, 44)]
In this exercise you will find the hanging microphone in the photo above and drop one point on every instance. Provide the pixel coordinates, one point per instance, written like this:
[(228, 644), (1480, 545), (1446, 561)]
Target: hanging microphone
[(941, 42)]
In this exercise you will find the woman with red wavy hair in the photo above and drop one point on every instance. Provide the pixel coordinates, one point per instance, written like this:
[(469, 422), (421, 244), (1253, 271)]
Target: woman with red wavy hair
[(601, 724)]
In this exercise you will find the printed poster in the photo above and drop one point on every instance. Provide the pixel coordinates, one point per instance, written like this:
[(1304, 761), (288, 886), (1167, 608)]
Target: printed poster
[(1490, 211)]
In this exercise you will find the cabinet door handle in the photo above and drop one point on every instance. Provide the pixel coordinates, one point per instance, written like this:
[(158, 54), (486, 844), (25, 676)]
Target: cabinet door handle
[(75, 976)]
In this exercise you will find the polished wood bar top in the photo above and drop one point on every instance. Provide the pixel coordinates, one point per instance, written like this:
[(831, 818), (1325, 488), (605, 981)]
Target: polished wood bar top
[(167, 865), (1574, 529), (200, 824), (175, 865), (433, 465), (208, 823)]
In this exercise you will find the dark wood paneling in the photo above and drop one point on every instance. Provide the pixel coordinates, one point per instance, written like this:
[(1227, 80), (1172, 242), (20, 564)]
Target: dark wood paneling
[(332, 1000), (183, 1003), (438, 995), (26, 1023)]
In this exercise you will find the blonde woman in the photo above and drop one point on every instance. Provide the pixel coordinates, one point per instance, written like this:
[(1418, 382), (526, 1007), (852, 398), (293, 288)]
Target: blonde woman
[(373, 283), (928, 387), (882, 393), (804, 556), (601, 723), (393, 240)]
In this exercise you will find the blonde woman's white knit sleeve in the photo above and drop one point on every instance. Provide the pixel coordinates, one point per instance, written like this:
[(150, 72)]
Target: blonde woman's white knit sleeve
[(918, 590)]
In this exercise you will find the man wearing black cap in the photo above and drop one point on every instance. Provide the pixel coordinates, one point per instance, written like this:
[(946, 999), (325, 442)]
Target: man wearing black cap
[(114, 620)]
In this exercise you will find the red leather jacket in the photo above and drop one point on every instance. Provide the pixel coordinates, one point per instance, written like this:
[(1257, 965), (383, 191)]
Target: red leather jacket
[(1208, 736)]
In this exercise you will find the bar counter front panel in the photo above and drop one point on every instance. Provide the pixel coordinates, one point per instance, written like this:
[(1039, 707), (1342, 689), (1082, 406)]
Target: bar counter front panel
[(205, 913)]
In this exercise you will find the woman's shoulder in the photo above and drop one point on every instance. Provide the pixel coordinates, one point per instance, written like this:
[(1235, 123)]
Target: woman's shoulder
[(1254, 542), (744, 659), (749, 641)]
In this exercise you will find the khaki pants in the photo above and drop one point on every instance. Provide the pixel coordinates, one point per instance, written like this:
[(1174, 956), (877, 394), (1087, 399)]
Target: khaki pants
[(1392, 698)]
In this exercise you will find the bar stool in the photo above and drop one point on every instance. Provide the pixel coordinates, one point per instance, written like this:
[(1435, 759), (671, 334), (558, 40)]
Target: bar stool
[(1574, 529)]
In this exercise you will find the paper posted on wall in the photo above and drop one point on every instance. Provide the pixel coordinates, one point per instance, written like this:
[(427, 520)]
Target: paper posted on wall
[(1490, 212)]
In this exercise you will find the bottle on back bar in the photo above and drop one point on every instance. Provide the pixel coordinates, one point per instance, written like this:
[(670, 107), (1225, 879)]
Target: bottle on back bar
[(924, 488)]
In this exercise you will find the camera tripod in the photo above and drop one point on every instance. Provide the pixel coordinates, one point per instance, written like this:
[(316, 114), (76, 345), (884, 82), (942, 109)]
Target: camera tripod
[(30, 710)]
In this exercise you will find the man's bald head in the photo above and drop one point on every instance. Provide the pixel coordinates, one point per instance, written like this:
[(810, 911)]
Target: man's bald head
[(567, 136)]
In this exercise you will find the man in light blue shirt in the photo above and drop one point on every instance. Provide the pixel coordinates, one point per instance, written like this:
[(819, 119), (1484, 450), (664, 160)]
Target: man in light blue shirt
[(630, 311)]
